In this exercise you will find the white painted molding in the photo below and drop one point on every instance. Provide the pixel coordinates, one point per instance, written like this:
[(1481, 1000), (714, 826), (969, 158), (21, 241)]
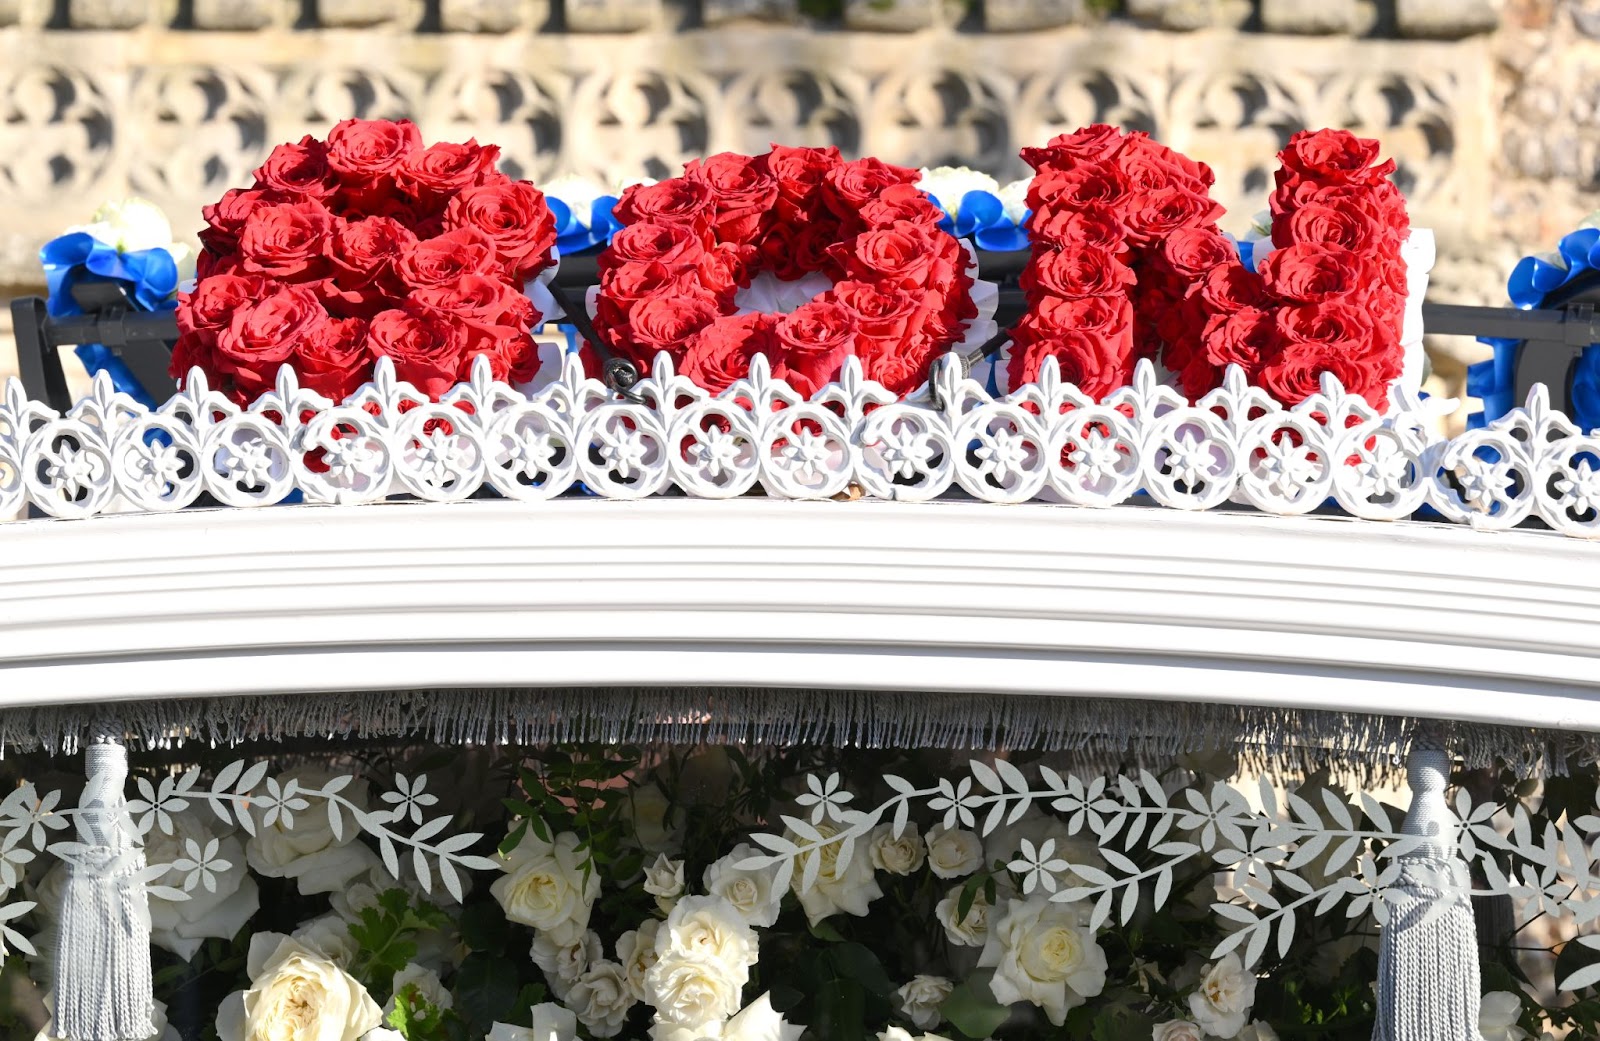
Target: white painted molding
[(1231, 607)]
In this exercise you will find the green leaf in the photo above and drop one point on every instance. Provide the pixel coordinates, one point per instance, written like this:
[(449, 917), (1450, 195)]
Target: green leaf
[(484, 927), (514, 839), (972, 1010), (855, 962), (824, 930), (486, 988), (969, 894), (1120, 1022)]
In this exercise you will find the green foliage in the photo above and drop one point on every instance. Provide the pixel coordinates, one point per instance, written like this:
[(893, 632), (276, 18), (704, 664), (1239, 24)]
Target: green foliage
[(387, 934)]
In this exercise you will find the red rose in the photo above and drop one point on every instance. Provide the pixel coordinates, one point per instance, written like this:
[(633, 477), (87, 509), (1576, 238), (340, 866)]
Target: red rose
[(665, 323), (1296, 373), (1230, 287), (1067, 227), (719, 355), (333, 359), (813, 341), (445, 258), (427, 349), (481, 301), (800, 173), (1332, 156), (1151, 216), (1310, 273), (1191, 252), (262, 335), (1243, 338), (213, 301), (1106, 315), (1092, 144), (364, 149), (902, 254), (1078, 189), (1095, 365), (1333, 323), (900, 202), (1076, 272), (648, 241), (742, 193), (367, 250), (1344, 223), (288, 241), (1150, 165), (515, 218), (299, 169), (225, 219), (882, 315), (623, 288), (675, 201), (852, 185), (443, 169)]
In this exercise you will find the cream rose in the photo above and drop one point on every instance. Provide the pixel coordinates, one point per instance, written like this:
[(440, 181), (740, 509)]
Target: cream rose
[(759, 1021), (328, 937), (849, 887), (295, 995), (953, 853), (551, 1022), (1041, 954), (308, 852), (563, 963), (636, 950), (1176, 1030), (898, 856), (750, 891), (219, 910), (664, 881), (709, 926), (696, 991), (430, 987), (545, 887), (601, 998), (920, 1000), (1223, 1001), (971, 931)]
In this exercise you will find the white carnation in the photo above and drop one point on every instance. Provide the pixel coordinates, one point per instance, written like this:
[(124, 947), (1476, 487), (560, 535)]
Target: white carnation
[(1042, 954), (1223, 1001), (601, 998), (546, 886), (920, 1000), (898, 856), (295, 995), (308, 851), (1014, 197), (749, 890), (953, 852), (970, 931), (849, 887)]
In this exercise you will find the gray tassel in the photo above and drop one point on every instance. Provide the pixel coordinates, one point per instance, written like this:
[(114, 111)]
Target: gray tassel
[(1428, 957), (102, 964)]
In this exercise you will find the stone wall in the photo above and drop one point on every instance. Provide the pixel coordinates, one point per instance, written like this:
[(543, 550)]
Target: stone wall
[(177, 100)]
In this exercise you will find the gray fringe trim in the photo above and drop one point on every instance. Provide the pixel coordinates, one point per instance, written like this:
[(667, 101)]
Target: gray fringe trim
[(1095, 730)]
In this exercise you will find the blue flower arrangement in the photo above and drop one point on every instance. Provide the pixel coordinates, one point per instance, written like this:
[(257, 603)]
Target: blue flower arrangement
[(128, 242), (1532, 282)]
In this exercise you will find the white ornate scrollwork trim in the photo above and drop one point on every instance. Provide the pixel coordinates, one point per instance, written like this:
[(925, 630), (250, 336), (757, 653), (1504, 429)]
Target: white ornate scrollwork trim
[(1044, 442)]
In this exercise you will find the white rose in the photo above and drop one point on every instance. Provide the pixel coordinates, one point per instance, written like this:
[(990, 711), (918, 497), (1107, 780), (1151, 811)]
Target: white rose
[(349, 902), (578, 193), (544, 886), (848, 887), (950, 184), (920, 999), (295, 995), (219, 911), (430, 987), (563, 963), (758, 1021), (1497, 1017), (1176, 1030), (383, 1034), (709, 926), (328, 937), (158, 1019), (601, 998), (1042, 954), (308, 852), (750, 891), (636, 950), (1222, 1003), (898, 856), (551, 1022), (971, 931), (655, 822), (131, 225), (696, 991), (1258, 1031), (664, 881), (953, 853)]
